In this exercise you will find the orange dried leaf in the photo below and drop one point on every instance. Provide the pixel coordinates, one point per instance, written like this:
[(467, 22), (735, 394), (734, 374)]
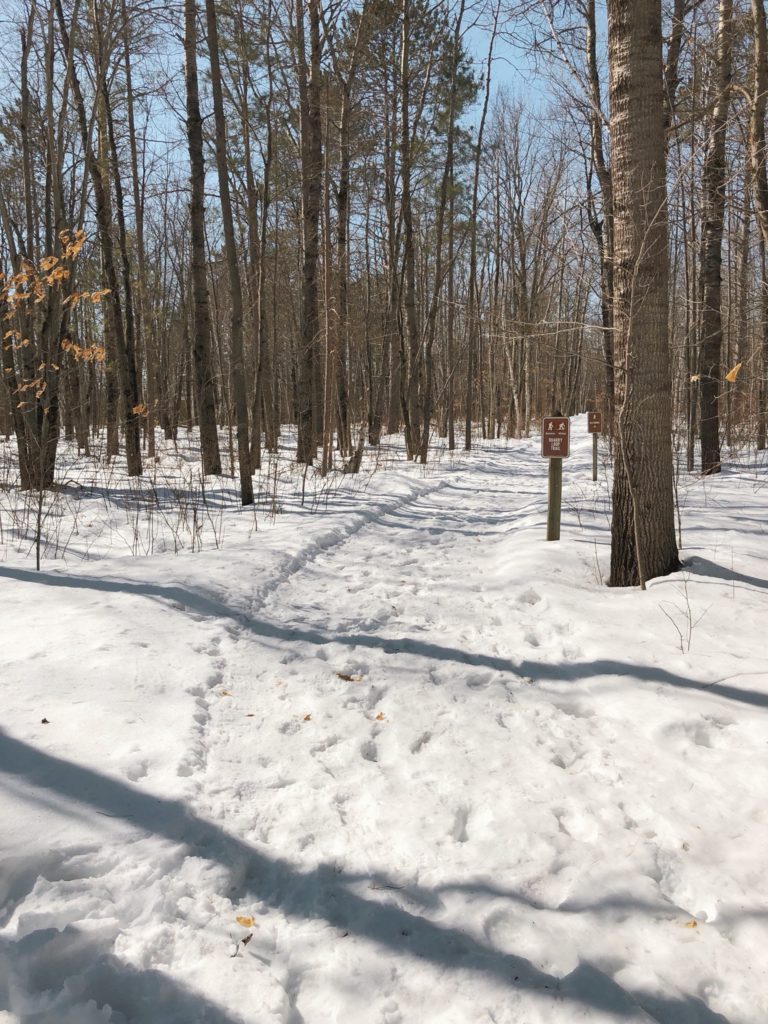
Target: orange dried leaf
[(380, 716), (307, 718), (246, 922)]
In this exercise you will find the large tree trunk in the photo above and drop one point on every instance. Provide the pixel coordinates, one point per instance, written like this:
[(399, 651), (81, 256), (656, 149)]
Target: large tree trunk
[(642, 530)]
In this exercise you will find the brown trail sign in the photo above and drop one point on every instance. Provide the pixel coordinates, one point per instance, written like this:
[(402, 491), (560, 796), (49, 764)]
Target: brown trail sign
[(555, 435)]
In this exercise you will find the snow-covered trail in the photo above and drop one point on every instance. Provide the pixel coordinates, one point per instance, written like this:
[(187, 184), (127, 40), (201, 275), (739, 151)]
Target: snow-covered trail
[(444, 784)]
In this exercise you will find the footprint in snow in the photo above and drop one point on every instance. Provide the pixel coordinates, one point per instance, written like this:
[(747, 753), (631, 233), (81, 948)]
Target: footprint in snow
[(290, 727), (459, 830), (369, 751), (137, 770), (479, 681), (323, 745), (531, 639), (421, 742), (390, 1013)]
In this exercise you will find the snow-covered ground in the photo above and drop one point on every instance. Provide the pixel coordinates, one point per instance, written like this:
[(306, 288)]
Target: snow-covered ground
[(387, 757)]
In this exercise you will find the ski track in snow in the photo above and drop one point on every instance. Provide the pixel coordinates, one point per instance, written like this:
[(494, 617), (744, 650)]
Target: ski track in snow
[(396, 766)]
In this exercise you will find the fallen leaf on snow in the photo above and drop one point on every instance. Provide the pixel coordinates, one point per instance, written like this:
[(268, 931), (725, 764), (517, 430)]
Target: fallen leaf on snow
[(380, 716), (307, 718), (246, 922)]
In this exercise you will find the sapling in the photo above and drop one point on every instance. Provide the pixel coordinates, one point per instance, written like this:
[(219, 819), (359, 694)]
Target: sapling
[(689, 621)]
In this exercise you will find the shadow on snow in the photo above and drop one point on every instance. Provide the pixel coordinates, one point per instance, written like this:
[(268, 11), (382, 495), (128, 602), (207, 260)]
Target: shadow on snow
[(324, 894), (203, 604)]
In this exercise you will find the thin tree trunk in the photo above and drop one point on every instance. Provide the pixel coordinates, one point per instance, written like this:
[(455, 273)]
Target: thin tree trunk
[(760, 184), (311, 174), (201, 316), (714, 174), (473, 310), (233, 270), (411, 402)]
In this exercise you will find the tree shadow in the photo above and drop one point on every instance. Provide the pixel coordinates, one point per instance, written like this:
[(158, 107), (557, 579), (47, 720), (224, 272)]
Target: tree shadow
[(203, 604), (67, 968), (704, 567), (327, 894)]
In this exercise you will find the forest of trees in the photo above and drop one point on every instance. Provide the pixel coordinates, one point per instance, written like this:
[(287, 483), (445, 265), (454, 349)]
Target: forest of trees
[(352, 217)]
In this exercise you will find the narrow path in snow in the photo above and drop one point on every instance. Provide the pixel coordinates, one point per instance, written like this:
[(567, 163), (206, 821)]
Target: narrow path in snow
[(373, 655)]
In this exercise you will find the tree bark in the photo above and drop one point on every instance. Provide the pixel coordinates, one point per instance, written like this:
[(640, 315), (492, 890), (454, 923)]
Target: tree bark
[(643, 541)]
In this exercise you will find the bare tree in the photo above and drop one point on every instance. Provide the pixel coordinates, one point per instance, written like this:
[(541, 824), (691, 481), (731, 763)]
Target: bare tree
[(202, 344), (714, 184), (231, 255)]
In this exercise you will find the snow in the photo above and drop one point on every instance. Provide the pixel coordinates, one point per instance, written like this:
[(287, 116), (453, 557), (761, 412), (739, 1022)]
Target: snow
[(449, 774)]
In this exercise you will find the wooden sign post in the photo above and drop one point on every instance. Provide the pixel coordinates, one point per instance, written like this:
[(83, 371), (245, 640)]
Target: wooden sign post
[(555, 438), (594, 427)]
